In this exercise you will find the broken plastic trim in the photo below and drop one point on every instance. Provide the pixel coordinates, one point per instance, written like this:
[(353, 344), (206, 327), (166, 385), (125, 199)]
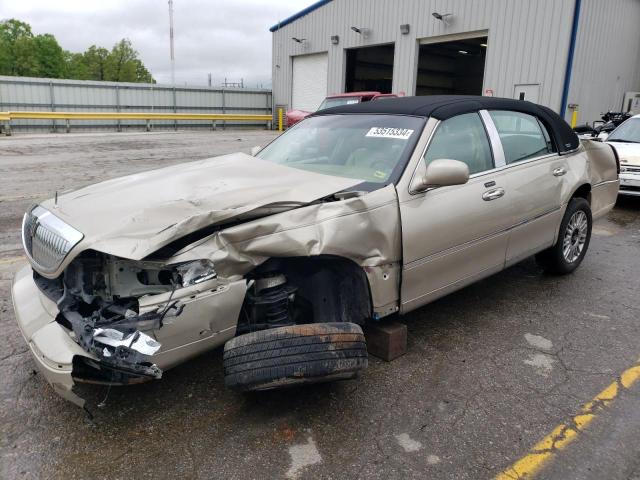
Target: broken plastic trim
[(123, 358), (198, 271), (99, 372)]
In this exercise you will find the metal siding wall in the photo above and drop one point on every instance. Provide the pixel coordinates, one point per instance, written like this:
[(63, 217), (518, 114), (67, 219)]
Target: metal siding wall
[(607, 57), (22, 93), (528, 40)]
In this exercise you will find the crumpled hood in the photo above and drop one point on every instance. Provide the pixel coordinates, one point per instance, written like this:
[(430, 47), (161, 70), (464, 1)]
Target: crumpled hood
[(133, 216), (627, 151)]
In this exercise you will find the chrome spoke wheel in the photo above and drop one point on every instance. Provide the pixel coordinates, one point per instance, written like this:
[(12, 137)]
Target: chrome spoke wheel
[(575, 236)]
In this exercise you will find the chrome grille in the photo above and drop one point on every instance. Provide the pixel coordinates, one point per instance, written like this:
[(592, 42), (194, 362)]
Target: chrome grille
[(630, 169), (47, 240)]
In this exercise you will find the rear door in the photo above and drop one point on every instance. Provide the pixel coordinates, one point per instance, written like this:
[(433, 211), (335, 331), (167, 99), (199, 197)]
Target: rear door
[(535, 174)]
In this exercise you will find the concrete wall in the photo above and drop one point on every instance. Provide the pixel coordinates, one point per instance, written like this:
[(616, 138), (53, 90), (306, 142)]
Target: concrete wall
[(528, 40), (44, 94), (607, 57)]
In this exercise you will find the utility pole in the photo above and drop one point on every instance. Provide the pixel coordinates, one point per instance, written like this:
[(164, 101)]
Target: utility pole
[(173, 60), (209, 80)]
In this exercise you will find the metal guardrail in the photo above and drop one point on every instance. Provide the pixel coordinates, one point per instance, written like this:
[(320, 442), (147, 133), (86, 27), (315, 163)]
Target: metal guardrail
[(147, 116)]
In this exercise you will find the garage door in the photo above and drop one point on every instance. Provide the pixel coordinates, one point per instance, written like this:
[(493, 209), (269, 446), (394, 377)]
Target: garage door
[(309, 81)]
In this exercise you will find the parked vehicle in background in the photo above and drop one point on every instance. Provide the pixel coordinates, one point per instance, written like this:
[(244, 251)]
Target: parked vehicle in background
[(294, 116), (357, 213), (602, 128), (626, 140)]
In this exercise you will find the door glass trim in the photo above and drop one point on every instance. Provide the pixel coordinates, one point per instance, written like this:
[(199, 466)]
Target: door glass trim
[(516, 164), (496, 145)]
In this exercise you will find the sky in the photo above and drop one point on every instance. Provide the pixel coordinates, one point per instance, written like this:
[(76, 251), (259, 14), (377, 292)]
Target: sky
[(227, 38)]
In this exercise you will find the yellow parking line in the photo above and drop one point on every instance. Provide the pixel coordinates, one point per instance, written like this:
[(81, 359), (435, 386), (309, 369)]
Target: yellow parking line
[(12, 259), (565, 433)]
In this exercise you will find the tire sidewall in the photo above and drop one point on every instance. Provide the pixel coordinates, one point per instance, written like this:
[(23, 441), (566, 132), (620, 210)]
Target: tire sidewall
[(575, 205)]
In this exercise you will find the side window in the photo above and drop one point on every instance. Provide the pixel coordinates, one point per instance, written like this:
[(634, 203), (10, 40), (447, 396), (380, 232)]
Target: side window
[(522, 135), (462, 138)]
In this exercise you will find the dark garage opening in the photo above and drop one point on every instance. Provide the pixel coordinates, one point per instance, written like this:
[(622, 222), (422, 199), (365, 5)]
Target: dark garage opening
[(455, 68), (370, 69)]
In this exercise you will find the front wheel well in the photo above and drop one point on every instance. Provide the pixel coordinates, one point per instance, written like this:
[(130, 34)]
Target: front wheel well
[(325, 288)]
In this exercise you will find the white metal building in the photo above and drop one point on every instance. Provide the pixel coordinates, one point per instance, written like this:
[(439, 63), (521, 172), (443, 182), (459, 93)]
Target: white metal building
[(565, 54)]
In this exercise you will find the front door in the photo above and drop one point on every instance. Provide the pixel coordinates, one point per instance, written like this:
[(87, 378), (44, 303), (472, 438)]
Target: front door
[(454, 235)]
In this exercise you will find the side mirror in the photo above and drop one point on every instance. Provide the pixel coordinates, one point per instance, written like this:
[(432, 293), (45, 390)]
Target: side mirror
[(255, 150), (442, 173)]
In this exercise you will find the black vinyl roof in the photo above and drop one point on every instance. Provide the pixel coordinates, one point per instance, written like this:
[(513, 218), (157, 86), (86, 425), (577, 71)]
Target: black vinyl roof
[(442, 107)]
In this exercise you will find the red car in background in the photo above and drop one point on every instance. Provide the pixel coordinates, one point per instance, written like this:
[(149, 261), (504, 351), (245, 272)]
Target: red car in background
[(294, 116)]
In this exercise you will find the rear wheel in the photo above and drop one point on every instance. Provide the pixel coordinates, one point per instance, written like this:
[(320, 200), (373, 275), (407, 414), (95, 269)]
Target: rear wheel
[(278, 357), (573, 240)]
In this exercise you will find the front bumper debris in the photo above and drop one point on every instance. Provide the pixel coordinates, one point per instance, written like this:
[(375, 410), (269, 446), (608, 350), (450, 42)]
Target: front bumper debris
[(208, 320)]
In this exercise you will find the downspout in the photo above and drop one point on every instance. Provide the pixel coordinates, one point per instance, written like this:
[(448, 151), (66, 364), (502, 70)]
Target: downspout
[(572, 48)]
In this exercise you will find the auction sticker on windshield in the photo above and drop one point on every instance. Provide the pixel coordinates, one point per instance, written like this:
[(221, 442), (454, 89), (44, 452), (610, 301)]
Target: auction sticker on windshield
[(388, 132)]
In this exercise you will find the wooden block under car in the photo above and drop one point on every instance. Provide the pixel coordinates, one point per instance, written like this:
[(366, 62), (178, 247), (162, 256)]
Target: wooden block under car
[(387, 341)]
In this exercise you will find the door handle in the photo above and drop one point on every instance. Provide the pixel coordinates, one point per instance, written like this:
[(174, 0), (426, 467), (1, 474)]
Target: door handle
[(493, 194), (558, 172)]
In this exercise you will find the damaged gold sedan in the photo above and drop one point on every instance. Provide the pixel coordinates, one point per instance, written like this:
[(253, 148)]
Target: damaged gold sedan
[(356, 213)]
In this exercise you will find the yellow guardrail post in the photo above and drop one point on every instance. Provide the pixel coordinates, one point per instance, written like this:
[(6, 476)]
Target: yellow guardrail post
[(280, 119), (5, 125), (574, 114)]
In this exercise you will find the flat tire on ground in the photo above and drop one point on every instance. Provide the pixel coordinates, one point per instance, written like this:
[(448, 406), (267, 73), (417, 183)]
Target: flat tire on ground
[(285, 356)]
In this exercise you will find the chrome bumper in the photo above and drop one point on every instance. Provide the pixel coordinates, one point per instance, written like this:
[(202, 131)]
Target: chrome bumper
[(630, 184)]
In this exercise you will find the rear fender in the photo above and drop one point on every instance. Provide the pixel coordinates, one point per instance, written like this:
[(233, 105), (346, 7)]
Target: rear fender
[(604, 167)]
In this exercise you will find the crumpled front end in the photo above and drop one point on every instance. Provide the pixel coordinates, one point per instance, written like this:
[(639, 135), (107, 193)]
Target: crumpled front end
[(118, 322), (91, 315)]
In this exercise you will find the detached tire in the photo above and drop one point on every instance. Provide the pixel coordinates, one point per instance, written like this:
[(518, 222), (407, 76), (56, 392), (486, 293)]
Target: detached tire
[(279, 357), (573, 240)]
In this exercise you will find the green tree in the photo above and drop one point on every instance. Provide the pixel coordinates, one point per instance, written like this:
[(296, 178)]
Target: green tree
[(23, 54), (49, 57), (95, 62), (121, 62), (142, 74), (17, 47), (75, 66)]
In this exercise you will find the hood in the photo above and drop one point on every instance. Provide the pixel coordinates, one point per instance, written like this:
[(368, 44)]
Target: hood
[(629, 153), (133, 216)]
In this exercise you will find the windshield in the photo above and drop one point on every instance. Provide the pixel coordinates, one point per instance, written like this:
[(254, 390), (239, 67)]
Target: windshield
[(337, 101), (371, 148), (628, 132)]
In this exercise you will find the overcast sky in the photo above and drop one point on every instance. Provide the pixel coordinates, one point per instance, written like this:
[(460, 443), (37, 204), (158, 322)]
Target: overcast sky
[(225, 38)]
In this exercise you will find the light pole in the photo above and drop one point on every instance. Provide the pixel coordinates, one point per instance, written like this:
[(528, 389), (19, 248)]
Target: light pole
[(173, 61)]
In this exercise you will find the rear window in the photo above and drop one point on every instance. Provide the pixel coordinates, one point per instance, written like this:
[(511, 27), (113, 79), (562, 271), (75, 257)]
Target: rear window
[(338, 101), (522, 136)]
